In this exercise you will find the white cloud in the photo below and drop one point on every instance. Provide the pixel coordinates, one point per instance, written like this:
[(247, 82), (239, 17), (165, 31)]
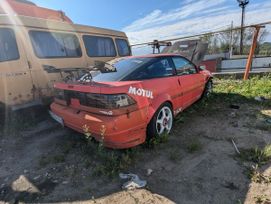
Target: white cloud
[(156, 17), (193, 18)]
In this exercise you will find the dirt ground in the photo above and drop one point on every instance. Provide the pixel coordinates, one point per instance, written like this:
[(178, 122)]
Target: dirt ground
[(198, 164)]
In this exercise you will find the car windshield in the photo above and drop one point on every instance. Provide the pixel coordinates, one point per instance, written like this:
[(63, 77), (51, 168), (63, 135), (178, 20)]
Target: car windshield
[(123, 67)]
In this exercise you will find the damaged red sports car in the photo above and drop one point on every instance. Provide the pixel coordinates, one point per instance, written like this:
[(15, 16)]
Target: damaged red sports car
[(137, 100)]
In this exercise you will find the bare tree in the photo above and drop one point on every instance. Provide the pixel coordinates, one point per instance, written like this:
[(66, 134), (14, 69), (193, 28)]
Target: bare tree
[(221, 42)]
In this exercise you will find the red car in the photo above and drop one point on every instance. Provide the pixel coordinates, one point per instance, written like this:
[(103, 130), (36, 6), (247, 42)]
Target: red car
[(137, 101)]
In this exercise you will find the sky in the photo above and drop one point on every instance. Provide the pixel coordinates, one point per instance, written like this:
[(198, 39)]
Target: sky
[(146, 20)]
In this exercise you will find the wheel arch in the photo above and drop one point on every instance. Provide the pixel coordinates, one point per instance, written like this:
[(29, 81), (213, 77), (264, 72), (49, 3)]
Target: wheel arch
[(157, 104)]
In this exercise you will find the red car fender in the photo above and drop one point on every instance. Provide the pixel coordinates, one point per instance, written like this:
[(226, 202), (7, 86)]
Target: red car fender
[(207, 75), (156, 103)]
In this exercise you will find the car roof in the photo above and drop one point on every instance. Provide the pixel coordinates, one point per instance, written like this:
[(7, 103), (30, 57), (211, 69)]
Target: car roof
[(156, 55)]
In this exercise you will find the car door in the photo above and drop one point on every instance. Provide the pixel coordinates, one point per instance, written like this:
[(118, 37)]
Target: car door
[(159, 78), (191, 82)]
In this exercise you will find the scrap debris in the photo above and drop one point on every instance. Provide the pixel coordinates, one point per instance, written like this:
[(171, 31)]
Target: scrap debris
[(149, 172), (235, 147), (260, 98), (133, 182)]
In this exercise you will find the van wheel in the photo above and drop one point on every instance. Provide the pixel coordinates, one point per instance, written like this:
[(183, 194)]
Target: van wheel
[(208, 89), (162, 121)]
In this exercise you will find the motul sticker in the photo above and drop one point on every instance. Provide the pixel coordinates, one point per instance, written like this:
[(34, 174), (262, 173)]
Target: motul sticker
[(140, 92)]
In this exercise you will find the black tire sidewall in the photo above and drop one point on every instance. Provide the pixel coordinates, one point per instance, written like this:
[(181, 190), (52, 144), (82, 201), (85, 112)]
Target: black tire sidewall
[(205, 93)]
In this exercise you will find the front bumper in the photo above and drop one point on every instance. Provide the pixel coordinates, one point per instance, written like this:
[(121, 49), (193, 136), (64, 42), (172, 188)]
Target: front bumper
[(120, 132)]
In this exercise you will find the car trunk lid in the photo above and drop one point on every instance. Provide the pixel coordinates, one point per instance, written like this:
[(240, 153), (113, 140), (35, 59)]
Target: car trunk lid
[(96, 97)]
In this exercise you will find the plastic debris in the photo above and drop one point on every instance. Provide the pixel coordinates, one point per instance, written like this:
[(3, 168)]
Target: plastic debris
[(268, 121), (233, 114), (235, 147), (133, 183), (260, 98), (149, 172)]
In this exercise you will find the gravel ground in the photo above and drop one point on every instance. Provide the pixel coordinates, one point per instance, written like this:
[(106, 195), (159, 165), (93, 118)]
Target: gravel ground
[(44, 162)]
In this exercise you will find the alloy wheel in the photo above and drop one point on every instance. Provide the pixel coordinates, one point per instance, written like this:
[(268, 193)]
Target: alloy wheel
[(164, 120)]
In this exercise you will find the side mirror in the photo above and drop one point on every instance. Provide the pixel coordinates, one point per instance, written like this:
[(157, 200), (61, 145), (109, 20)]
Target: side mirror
[(202, 67)]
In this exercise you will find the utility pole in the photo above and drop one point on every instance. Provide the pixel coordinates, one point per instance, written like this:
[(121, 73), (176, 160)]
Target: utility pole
[(252, 50), (242, 4), (231, 41)]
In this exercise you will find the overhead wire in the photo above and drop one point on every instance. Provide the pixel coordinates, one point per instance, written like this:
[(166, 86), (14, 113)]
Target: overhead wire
[(204, 34)]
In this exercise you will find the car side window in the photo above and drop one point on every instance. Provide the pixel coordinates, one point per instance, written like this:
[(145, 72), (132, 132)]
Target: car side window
[(183, 66), (160, 68)]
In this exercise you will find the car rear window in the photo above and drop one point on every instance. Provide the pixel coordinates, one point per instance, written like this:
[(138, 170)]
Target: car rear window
[(123, 47), (8, 45), (124, 68), (55, 45), (97, 46), (159, 68)]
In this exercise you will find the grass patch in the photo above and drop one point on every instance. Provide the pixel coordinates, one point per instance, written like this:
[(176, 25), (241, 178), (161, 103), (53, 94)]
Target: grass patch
[(256, 155), (193, 146), (155, 141), (110, 163), (174, 155), (244, 91), (105, 162)]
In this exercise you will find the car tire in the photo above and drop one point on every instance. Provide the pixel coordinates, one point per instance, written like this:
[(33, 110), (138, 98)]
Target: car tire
[(161, 122), (208, 89)]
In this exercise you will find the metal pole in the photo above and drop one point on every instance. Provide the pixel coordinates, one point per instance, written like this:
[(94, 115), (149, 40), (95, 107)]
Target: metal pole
[(252, 50), (231, 41), (242, 29)]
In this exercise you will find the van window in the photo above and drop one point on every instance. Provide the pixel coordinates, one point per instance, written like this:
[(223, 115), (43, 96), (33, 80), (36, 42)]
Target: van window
[(55, 45), (123, 47), (8, 45), (99, 46)]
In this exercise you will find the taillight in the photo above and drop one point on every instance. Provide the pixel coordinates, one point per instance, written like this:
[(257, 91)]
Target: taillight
[(109, 101), (59, 94)]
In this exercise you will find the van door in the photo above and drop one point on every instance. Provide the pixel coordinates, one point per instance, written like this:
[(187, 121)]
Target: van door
[(190, 81), (15, 78)]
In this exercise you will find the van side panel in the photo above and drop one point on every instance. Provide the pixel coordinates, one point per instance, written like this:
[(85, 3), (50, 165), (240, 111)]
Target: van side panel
[(15, 77)]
